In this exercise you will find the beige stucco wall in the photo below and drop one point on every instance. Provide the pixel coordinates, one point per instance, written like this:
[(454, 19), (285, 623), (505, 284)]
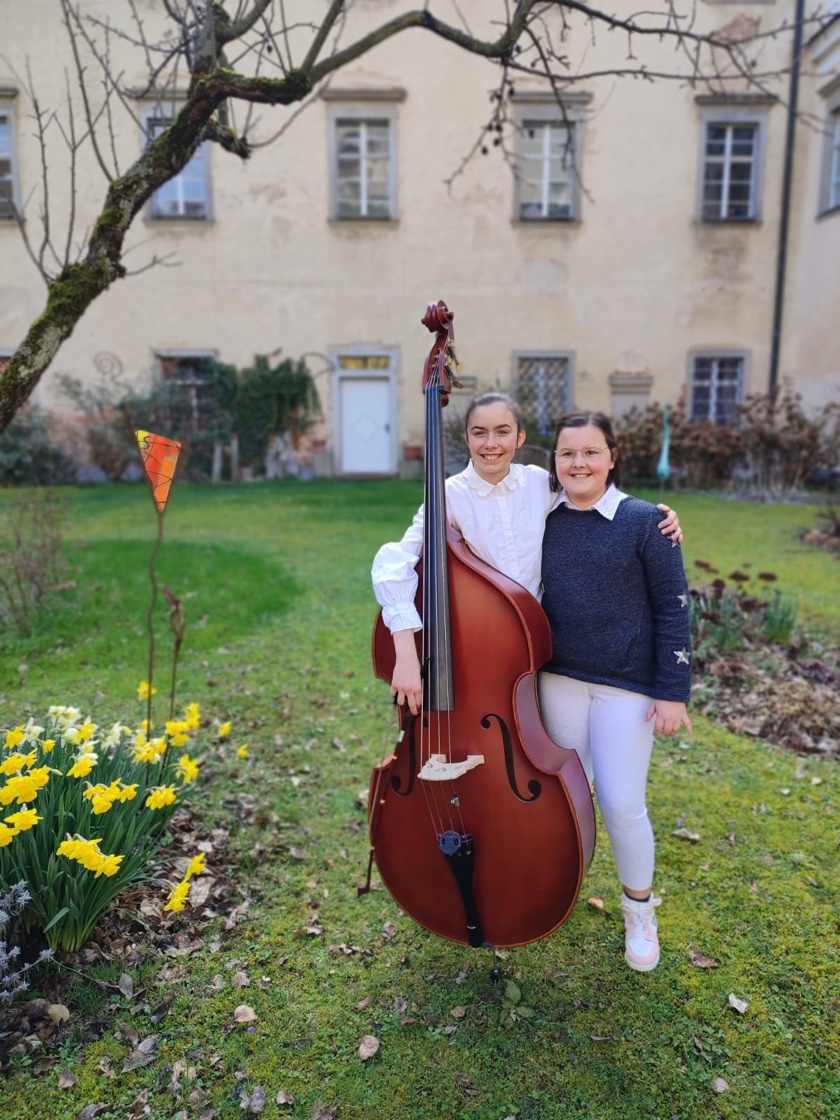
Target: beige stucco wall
[(638, 283)]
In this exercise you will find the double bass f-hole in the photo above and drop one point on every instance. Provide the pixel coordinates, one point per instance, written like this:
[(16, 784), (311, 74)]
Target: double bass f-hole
[(534, 787)]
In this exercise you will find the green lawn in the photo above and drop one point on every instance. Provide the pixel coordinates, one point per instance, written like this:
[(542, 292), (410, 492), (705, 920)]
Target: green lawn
[(275, 578)]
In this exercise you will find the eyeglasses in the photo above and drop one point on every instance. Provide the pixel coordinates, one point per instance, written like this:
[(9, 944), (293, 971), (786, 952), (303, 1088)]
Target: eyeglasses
[(590, 454)]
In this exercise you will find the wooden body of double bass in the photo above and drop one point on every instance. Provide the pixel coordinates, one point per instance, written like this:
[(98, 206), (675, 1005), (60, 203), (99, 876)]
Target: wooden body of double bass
[(527, 807)]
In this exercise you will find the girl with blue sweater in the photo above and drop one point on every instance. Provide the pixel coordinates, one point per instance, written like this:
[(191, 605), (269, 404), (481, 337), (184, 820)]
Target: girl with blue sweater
[(616, 597)]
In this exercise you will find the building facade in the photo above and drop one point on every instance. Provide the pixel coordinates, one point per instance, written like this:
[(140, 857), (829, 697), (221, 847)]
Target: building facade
[(638, 241)]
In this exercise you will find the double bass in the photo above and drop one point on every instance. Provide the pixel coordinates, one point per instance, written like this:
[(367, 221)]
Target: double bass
[(481, 827)]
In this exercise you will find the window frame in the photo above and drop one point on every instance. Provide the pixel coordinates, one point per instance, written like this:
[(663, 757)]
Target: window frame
[(381, 107), (569, 115), (7, 109), (829, 199), (568, 356), (717, 355), (163, 114), (734, 116)]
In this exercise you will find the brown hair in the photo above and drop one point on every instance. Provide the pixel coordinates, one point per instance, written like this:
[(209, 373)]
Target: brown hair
[(583, 420), (494, 398)]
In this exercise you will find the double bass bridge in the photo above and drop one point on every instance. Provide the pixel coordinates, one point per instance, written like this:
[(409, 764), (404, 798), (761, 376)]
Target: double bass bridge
[(436, 768)]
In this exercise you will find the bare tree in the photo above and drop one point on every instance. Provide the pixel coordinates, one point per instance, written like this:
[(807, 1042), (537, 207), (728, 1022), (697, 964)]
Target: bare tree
[(256, 53)]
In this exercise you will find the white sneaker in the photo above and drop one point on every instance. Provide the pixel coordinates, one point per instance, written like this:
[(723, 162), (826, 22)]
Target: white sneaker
[(641, 943)]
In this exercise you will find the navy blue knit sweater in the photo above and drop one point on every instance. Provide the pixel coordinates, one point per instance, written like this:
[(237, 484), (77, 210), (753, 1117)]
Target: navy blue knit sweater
[(617, 600)]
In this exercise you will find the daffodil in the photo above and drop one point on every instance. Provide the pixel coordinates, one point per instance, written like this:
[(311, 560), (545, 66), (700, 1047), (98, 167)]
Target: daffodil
[(109, 866), (7, 835), (86, 731), (83, 765), (160, 797), (23, 820), (242, 751), (15, 736), (48, 745), (16, 762), (143, 690), (178, 896), (224, 729), (23, 788), (187, 769), (196, 866), (192, 716)]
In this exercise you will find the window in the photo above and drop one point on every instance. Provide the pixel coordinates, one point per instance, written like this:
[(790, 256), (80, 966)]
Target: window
[(363, 170), (830, 192), (548, 158), (729, 172), (188, 194), (732, 147), (543, 384), (188, 379), (717, 386), (8, 193)]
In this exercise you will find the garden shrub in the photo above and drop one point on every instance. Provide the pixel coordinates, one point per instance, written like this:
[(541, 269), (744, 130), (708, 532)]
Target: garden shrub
[(31, 560), (86, 813), (28, 457), (771, 444)]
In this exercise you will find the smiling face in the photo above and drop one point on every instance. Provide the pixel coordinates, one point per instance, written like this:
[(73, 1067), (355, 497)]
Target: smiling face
[(583, 464), (493, 436)]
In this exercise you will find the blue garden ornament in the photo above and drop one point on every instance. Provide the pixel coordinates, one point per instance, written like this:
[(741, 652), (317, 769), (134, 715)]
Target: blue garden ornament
[(663, 468)]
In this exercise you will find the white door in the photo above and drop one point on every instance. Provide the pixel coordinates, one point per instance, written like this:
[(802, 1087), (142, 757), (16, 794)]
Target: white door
[(365, 425)]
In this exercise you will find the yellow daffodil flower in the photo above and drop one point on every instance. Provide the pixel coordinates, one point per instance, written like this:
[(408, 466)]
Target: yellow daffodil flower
[(16, 762), (224, 729), (23, 788), (179, 739), (196, 866), (242, 752), (109, 866), (7, 835), (23, 820), (48, 745), (86, 731), (143, 690), (160, 797), (15, 737), (192, 716), (178, 896), (83, 765), (188, 769)]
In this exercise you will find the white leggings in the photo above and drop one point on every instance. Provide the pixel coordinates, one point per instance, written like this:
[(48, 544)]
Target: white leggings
[(607, 728)]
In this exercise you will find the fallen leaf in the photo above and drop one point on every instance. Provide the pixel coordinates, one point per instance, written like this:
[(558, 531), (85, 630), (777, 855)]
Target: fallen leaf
[(321, 1112), (686, 834), (363, 1003), (598, 903), (297, 853), (66, 1080), (740, 1005), (389, 929), (458, 1012), (58, 1013), (368, 1047), (284, 1098), (139, 1107), (719, 1085), (700, 960), (129, 1034), (240, 980), (255, 1102), (126, 985), (90, 1111), (244, 1014), (143, 1055), (105, 1067)]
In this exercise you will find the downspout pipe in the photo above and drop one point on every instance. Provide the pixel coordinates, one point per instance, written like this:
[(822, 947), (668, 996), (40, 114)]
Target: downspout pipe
[(787, 183)]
